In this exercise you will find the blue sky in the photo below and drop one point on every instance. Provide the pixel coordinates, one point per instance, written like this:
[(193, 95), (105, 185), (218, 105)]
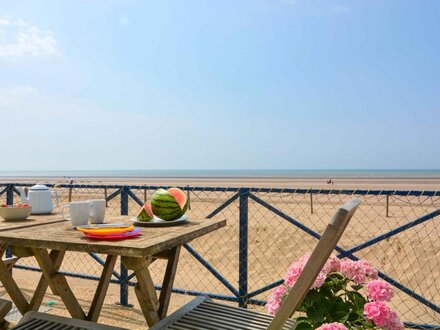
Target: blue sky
[(300, 84)]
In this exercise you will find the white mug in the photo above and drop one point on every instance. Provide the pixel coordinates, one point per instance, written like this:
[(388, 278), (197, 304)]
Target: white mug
[(79, 213), (97, 210)]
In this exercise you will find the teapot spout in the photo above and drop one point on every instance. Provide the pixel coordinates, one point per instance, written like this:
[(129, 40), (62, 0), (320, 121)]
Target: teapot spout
[(24, 198)]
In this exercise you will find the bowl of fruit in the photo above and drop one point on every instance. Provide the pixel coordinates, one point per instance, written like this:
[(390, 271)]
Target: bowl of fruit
[(15, 212)]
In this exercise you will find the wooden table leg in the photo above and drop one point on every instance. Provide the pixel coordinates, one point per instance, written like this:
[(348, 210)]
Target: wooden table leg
[(58, 281), (168, 281), (101, 290), (40, 291), (57, 258), (145, 290), (11, 286), (10, 262)]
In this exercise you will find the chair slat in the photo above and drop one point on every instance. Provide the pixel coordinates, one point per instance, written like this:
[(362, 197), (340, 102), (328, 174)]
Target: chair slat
[(32, 324), (237, 323), (180, 325), (207, 321), (37, 324), (240, 312), (235, 310), (241, 320), (43, 321)]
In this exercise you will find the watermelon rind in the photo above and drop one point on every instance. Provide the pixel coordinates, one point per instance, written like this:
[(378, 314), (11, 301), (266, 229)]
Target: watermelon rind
[(145, 214), (165, 206)]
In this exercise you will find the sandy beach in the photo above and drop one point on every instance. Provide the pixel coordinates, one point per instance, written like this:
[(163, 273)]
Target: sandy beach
[(411, 257)]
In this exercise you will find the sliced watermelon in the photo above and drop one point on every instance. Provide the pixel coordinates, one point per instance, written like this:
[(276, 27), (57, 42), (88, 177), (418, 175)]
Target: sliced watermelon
[(179, 195), (146, 213), (169, 204)]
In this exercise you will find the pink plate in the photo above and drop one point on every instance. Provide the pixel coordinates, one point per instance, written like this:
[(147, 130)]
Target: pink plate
[(128, 234)]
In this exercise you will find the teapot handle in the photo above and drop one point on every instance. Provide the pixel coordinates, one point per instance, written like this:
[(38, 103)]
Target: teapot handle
[(56, 197)]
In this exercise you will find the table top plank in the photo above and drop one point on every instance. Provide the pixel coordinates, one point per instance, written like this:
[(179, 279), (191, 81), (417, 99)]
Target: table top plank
[(31, 221), (61, 236)]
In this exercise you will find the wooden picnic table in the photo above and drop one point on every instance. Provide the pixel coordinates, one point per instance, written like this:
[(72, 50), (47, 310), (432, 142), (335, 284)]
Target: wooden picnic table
[(136, 254)]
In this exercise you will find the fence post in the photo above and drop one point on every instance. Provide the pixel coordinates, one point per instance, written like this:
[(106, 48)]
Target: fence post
[(123, 291), (10, 194), (388, 207), (188, 196), (105, 196), (243, 248), (9, 201), (311, 203)]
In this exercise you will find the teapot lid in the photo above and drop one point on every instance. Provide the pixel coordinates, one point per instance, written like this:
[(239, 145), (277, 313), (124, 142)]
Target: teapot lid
[(39, 186)]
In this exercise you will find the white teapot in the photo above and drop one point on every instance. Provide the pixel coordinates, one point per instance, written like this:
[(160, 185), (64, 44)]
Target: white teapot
[(40, 198)]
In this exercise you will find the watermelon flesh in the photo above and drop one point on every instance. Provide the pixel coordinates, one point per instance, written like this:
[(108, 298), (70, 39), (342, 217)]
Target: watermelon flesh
[(169, 204), (146, 213), (179, 195)]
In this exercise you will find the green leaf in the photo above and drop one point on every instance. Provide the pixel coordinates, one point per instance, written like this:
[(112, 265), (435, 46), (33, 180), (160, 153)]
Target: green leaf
[(354, 316), (303, 324), (340, 311), (314, 314), (313, 296), (357, 299), (357, 287), (325, 293), (341, 316), (335, 276)]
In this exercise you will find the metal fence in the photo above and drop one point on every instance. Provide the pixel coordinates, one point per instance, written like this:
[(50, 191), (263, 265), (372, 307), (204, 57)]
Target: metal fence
[(396, 231)]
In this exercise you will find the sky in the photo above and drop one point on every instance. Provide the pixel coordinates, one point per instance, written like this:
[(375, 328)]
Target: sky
[(260, 84)]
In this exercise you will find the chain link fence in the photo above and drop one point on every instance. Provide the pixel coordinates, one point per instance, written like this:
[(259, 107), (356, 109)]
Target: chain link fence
[(397, 232)]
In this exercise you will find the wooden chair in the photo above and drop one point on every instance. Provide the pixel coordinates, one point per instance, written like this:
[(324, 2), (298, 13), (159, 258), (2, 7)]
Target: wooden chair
[(37, 320), (204, 314), (40, 321)]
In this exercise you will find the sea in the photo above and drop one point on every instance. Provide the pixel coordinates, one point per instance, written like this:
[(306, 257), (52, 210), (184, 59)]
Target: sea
[(229, 173)]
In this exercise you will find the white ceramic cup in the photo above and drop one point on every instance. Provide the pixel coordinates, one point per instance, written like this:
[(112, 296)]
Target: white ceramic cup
[(97, 210), (79, 213)]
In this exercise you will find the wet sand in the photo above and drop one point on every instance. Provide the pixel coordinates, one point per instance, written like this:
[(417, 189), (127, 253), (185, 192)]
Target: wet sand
[(385, 183)]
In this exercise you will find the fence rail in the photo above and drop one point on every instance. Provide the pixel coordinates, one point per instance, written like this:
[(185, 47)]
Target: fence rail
[(397, 231)]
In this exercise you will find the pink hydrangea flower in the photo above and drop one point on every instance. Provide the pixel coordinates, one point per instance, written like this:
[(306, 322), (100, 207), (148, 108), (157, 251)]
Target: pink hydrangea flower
[(333, 264), (379, 290), (274, 302), (377, 311), (382, 315), (353, 271), (332, 326), (369, 270), (305, 258), (297, 267), (319, 280), (394, 323), (358, 271), (293, 273)]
